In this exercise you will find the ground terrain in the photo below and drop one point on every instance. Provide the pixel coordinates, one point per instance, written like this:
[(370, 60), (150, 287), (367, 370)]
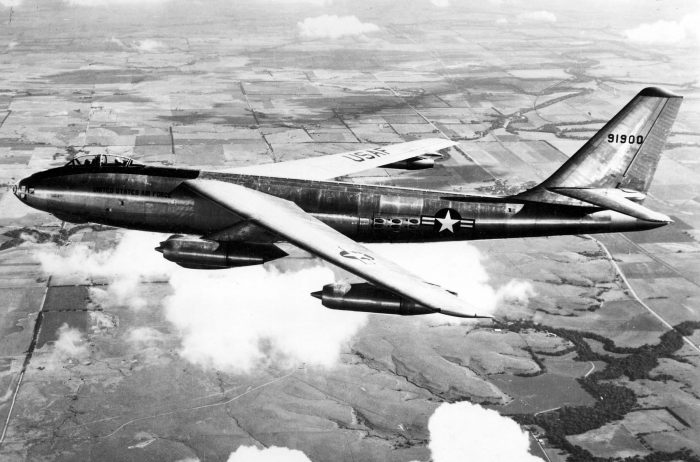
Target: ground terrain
[(223, 87)]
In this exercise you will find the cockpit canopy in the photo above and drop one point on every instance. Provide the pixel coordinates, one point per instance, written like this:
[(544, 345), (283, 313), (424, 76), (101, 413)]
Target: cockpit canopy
[(101, 160)]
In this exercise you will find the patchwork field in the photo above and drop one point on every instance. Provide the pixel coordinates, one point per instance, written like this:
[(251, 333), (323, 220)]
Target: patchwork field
[(98, 366)]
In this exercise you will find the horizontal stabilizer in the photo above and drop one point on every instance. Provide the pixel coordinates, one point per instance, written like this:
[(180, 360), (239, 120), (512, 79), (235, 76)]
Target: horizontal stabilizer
[(612, 199)]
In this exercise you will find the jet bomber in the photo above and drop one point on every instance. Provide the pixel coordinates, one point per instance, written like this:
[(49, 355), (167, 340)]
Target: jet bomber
[(239, 217)]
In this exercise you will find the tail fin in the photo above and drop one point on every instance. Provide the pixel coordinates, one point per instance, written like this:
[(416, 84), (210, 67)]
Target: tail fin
[(625, 152)]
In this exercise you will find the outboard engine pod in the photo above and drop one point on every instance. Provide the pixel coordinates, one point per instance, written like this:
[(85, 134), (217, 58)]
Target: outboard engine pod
[(368, 298)]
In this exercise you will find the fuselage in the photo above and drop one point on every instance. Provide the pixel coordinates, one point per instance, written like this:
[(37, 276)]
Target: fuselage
[(152, 199)]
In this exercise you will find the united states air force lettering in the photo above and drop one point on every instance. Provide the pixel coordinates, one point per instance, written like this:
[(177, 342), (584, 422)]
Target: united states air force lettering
[(361, 156), (130, 192)]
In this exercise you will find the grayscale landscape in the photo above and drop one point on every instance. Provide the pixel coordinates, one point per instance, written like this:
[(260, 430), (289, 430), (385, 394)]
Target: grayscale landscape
[(109, 352)]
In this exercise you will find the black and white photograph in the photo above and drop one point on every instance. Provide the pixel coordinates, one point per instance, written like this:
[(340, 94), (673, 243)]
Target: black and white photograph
[(363, 231)]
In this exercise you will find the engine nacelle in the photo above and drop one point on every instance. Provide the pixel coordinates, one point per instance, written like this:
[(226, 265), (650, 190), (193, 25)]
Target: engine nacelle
[(368, 298), (205, 254), (415, 163)]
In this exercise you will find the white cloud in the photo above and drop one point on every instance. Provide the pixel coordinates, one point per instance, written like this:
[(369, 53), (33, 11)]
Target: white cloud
[(667, 32), (332, 26), (129, 258), (149, 45), (121, 291), (242, 318), (69, 344), (441, 3), (145, 46), (465, 431), (457, 266), (239, 319), (145, 336), (10, 3), (118, 266), (537, 16), (117, 42), (271, 454), (501, 21), (515, 291), (233, 319)]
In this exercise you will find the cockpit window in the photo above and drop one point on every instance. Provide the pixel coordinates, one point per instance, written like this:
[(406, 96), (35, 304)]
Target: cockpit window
[(101, 160)]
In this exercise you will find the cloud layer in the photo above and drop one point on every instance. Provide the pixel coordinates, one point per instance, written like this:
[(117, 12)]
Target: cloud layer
[(239, 319), (242, 318), (233, 320), (687, 29), (271, 454), (123, 267), (466, 431), (333, 27)]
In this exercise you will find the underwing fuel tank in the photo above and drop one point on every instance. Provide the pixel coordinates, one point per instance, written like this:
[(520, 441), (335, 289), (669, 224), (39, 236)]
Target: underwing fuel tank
[(205, 254), (368, 298)]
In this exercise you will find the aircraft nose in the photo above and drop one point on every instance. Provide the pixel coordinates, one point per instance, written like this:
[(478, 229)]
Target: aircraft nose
[(21, 189)]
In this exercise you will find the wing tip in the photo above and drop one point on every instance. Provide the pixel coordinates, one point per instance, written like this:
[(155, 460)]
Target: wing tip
[(658, 93)]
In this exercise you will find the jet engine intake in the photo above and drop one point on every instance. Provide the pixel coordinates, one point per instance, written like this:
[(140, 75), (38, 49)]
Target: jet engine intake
[(205, 254), (368, 298)]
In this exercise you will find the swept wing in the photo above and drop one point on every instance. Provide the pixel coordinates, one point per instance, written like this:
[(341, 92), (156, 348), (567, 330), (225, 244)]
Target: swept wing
[(336, 165), (292, 223)]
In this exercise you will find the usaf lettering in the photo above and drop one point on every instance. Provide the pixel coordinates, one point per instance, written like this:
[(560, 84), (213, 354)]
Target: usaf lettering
[(361, 156)]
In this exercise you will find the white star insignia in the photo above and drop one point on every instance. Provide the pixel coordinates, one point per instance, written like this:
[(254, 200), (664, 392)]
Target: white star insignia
[(447, 223)]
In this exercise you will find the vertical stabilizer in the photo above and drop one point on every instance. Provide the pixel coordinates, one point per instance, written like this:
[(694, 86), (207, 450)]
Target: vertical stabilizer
[(625, 152)]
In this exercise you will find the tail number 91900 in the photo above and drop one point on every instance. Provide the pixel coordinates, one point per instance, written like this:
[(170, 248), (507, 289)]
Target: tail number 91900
[(628, 139)]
